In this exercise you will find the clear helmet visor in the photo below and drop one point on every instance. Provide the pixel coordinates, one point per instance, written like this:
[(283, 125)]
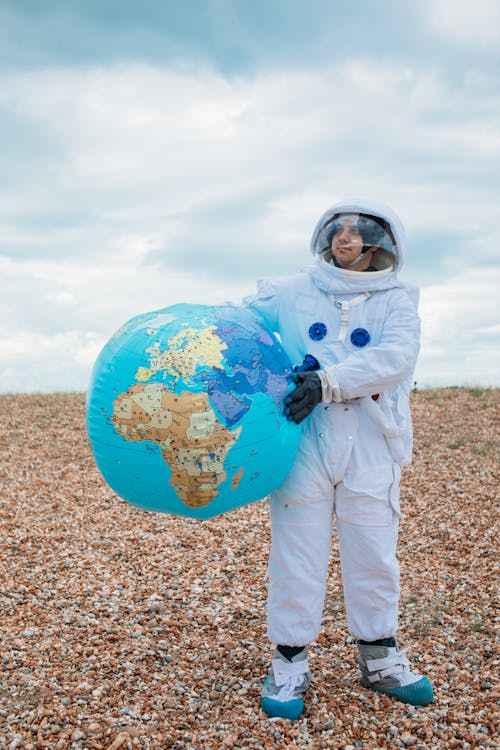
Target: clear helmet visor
[(359, 230)]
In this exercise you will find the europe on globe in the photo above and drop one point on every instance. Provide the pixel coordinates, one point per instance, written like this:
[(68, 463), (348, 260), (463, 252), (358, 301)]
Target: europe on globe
[(184, 410)]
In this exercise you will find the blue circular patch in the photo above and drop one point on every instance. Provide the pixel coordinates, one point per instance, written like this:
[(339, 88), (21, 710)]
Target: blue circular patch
[(360, 337), (317, 331)]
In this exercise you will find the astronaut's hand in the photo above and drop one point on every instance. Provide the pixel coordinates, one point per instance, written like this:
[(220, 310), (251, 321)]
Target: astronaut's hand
[(300, 402)]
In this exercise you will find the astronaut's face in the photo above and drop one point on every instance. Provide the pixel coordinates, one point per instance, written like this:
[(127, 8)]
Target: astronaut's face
[(347, 242)]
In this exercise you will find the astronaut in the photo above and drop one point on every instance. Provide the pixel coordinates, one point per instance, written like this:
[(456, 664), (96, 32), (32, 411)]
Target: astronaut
[(351, 317)]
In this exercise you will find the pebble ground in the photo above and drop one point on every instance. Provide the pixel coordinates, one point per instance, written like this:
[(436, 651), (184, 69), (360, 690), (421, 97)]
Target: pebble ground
[(123, 629)]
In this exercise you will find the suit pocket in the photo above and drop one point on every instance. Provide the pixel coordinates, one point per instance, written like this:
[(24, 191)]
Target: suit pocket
[(369, 497)]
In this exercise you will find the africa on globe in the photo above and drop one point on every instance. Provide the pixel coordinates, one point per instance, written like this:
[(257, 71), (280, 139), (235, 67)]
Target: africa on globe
[(184, 410)]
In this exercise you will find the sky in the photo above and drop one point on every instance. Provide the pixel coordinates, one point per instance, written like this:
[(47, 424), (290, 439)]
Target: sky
[(162, 152)]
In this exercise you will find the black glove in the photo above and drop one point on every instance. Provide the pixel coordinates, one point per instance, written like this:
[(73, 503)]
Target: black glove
[(300, 402)]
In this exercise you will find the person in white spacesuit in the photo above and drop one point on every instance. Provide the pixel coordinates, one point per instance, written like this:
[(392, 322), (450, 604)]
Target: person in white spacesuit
[(354, 325)]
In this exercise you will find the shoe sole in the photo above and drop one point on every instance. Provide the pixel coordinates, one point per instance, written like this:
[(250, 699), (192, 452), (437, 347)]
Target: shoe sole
[(419, 693), (291, 710)]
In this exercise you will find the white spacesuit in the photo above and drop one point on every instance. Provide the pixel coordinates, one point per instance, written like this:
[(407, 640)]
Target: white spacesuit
[(362, 327)]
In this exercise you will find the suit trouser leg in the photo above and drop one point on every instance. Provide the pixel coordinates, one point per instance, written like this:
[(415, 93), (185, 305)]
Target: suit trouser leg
[(298, 568), (368, 531)]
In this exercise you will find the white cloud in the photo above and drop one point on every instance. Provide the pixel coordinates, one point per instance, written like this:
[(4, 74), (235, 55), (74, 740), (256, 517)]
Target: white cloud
[(475, 23), (57, 315), (154, 186), (491, 329), (460, 327), (136, 143)]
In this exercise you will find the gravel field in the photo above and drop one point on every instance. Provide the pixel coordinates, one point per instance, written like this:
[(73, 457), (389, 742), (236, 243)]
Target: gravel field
[(123, 629)]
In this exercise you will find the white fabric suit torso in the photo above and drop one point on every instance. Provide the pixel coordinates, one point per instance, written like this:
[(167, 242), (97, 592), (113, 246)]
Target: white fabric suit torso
[(290, 306), (345, 463)]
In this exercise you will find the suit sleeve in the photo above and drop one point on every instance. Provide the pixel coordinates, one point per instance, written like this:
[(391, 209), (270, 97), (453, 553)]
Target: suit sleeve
[(381, 367), (265, 304)]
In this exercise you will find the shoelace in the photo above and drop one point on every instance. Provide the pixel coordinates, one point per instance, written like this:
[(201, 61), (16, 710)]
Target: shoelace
[(288, 676), (389, 665), (286, 692)]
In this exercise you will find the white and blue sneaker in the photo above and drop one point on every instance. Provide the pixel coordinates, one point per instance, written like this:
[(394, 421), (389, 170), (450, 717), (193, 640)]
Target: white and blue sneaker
[(387, 670), (283, 691)]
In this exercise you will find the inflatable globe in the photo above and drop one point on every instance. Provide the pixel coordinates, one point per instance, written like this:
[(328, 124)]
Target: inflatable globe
[(184, 411)]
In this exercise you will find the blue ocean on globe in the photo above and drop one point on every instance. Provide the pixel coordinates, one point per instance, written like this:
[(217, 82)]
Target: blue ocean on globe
[(184, 410)]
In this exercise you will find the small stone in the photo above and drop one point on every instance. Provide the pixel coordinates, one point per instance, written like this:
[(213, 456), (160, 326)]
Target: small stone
[(83, 688), (120, 740), (408, 739), (77, 735), (133, 731)]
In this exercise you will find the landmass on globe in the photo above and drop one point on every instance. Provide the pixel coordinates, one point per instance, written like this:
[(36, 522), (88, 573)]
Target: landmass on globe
[(187, 351), (207, 377), (193, 442)]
